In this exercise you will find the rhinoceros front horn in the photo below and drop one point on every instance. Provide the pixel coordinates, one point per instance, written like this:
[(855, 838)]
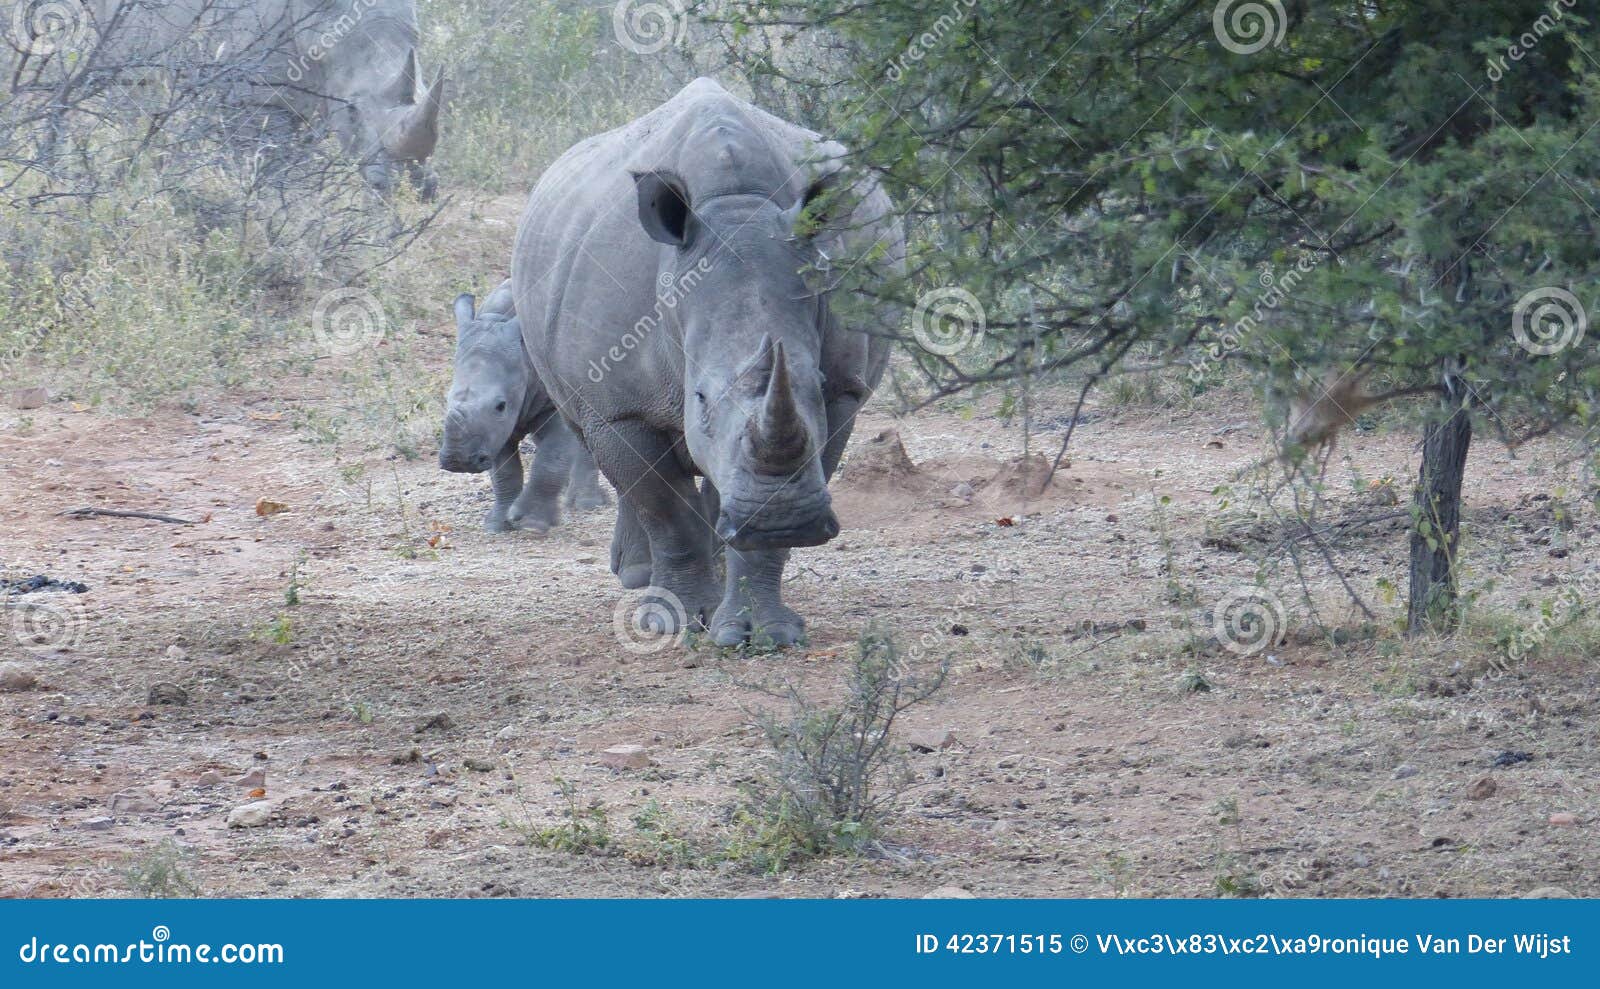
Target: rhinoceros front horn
[(414, 135), (778, 440)]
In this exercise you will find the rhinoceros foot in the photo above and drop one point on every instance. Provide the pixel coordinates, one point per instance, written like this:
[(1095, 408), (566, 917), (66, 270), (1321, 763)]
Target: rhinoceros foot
[(496, 521), (769, 627)]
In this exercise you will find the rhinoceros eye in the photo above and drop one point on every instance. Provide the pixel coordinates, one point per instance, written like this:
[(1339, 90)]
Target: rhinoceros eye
[(501, 407)]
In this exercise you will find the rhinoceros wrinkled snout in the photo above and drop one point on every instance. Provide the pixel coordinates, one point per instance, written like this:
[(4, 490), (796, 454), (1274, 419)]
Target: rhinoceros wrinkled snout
[(456, 462), (778, 531)]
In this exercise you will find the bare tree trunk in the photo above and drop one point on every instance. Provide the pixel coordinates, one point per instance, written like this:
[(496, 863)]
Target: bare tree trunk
[(1437, 507)]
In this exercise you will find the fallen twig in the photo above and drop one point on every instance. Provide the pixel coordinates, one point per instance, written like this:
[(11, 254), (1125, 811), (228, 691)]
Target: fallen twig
[(117, 513)]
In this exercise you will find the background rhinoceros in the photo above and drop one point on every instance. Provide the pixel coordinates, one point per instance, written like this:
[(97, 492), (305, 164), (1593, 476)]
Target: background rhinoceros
[(658, 273), (347, 65)]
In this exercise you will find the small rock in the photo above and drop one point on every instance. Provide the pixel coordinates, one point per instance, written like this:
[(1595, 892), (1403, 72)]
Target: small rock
[(24, 399), (948, 893), (485, 766), (586, 559), (99, 824), (625, 757), (15, 676), (209, 778), (1547, 893), (166, 693), (133, 803), (1405, 771), (252, 779), (1482, 789), (177, 653), (439, 722), (1564, 820), (931, 740), (964, 491), (1510, 758), (251, 815)]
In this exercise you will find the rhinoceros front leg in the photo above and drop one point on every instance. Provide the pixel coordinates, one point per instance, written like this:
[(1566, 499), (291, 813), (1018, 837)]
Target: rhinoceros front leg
[(506, 480), (583, 485), (651, 483), (752, 608), (630, 549), (538, 508)]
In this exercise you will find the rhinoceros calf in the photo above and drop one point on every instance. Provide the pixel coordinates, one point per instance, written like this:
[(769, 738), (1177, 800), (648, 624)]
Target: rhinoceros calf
[(495, 400), (351, 63), (658, 274)]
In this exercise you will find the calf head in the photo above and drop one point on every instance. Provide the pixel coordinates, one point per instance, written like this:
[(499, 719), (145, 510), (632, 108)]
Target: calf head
[(487, 391), (755, 419)]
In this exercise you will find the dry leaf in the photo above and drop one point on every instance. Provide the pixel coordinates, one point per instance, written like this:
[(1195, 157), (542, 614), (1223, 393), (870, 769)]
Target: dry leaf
[(1006, 522), (267, 416), (259, 791), (265, 507)]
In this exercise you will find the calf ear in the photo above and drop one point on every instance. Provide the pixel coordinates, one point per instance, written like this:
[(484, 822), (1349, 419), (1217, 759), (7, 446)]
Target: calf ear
[(464, 313), (664, 210)]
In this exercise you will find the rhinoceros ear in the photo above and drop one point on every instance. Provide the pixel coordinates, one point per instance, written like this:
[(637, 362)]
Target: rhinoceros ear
[(663, 207), (464, 313), (817, 207)]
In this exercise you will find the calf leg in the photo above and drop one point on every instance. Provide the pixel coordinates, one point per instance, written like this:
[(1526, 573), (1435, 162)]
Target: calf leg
[(506, 479), (538, 508), (583, 486)]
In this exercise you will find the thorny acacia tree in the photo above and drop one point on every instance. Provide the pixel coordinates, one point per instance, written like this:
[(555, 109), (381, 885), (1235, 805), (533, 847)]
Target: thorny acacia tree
[(1332, 193)]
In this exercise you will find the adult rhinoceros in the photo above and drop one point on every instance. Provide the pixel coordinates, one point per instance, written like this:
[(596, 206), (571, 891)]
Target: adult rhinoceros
[(658, 271), (350, 63)]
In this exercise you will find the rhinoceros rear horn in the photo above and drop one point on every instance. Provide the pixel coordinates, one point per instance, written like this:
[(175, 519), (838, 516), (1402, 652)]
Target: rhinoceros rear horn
[(464, 311), (778, 439), (402, 89), (415, 134)]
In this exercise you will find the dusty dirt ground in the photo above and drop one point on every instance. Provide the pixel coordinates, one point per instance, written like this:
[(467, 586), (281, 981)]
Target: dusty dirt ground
[(1334, 763)]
